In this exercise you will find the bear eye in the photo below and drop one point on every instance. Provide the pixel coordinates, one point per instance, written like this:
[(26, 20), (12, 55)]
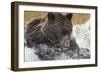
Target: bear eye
[(64, 32)]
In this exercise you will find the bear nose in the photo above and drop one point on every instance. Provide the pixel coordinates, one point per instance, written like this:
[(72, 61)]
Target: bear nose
[(65, 42)]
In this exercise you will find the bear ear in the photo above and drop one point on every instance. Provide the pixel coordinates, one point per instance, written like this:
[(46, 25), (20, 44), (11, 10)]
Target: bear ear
[(51, 16), (69, 16)]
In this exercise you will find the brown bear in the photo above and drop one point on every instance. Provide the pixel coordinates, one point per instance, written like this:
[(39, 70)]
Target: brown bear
[(51, 35)]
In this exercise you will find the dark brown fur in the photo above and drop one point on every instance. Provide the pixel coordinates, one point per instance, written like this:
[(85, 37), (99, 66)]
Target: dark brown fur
[(56, 28)]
